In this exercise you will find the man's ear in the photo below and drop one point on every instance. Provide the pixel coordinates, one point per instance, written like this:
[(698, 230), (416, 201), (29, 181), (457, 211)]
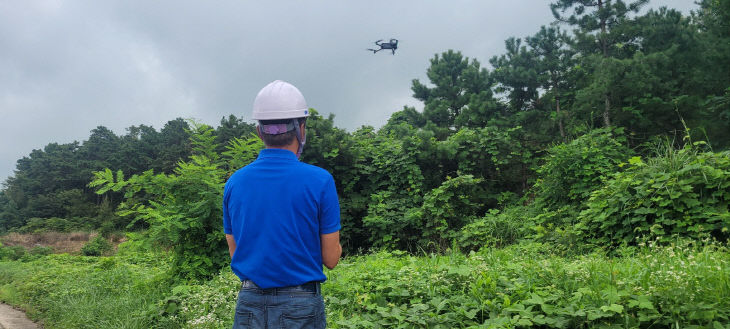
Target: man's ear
[(258, 132), (304, 131)]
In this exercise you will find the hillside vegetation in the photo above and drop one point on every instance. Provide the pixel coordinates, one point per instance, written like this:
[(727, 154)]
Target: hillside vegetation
[(582, 180)]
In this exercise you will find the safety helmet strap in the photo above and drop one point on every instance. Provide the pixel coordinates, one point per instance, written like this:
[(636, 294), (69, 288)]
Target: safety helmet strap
[(300, 138)]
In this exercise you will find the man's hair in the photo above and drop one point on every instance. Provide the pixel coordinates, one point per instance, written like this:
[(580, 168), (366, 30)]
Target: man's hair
[(279, 140)]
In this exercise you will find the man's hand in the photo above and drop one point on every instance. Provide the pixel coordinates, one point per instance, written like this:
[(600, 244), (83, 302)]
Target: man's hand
[(331, 249)]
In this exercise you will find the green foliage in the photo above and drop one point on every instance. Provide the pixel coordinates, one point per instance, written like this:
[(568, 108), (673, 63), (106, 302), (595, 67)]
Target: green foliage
[(389, 223), (12, 252), (491, 154), (517, 74), (136, 243), (65, 291), (393, 182), (328, 147), (557, 228), (207, 305), (496, 229), (408, 116), (97, 246), (232, 128), (41, 251), (680, 192), (718, 112), (572, 171), (242, 152), (183, 209), (520, 286), (447, 179), (447, 209), (461, 96), (682, 284), (54, 224)]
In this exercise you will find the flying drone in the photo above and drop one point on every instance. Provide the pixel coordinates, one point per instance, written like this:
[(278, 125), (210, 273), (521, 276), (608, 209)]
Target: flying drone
[(392, 45)]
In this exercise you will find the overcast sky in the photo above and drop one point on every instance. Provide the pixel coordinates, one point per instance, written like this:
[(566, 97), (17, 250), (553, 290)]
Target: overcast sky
[(69, 66)]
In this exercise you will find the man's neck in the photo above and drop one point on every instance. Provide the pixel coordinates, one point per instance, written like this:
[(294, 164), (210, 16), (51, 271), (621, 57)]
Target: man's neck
[(293, 147)]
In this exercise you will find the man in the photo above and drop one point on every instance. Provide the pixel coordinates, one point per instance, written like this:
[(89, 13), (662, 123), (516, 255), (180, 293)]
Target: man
[(281, 218)]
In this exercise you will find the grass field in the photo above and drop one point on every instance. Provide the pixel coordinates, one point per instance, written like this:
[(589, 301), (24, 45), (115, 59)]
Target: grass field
[(526, 285)]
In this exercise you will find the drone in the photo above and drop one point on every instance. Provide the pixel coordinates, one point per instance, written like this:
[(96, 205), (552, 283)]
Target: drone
[(392, 45)]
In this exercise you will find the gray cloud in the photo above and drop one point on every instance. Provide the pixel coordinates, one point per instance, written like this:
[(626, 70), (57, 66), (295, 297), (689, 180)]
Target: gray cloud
[(69, 66)]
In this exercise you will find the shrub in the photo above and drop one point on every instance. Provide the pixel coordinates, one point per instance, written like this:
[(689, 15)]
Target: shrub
[(389, 222), (55, 224), (183, 209), (556, 227), (41, 251), (388, 174), (490, 154), (572, 171), (682, 192), (97, 247), (12, 252), (4, 252), (495, 229), (448, 208), (107, 228)]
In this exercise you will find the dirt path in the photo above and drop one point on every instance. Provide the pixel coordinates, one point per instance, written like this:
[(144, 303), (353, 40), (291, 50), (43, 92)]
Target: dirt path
[(11, 318)]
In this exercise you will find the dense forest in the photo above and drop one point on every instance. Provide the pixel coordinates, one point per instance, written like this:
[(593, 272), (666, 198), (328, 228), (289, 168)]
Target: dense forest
[(49, 189), (607, 129)]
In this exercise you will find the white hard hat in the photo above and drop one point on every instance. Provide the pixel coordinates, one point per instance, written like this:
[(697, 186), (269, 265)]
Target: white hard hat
[(279, 100)]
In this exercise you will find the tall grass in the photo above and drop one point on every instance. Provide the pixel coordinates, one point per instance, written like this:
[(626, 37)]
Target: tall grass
[(684, 284), (65, 291)]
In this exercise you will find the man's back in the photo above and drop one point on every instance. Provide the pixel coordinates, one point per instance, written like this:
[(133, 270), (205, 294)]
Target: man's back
[(276, 208)]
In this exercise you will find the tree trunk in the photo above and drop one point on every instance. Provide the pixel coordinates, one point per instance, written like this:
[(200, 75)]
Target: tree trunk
[(606, 116), (560, 118), (603, 40), (604, 48)]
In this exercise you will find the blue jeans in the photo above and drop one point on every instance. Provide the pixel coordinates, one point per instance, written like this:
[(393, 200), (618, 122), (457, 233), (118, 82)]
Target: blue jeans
[(289, 307)]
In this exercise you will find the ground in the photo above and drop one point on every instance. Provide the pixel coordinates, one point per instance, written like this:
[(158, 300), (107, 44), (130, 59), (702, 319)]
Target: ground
[(11, 318)]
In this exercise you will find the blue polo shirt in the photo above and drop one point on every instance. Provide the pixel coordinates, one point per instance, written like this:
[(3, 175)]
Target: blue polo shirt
[(276, 208)]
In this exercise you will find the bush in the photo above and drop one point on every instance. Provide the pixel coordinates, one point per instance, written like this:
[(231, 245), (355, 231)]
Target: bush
[(55, 224), (573, 170), (679, 193), (182, 209), (388, 174), (448, 208), (97, 247), (495, 229), (389, 222), (12, 252), (491, 154), (4, 252), (556, 227), (41, 251)]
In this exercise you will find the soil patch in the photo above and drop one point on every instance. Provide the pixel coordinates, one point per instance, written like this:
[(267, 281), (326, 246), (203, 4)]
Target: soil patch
[(60, 242)]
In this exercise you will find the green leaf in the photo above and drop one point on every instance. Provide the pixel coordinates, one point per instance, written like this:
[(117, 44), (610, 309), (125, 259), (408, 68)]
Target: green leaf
[(616, 308)]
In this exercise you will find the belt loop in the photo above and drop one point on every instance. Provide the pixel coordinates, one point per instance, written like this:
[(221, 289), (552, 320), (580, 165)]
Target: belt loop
[(319, 288)]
